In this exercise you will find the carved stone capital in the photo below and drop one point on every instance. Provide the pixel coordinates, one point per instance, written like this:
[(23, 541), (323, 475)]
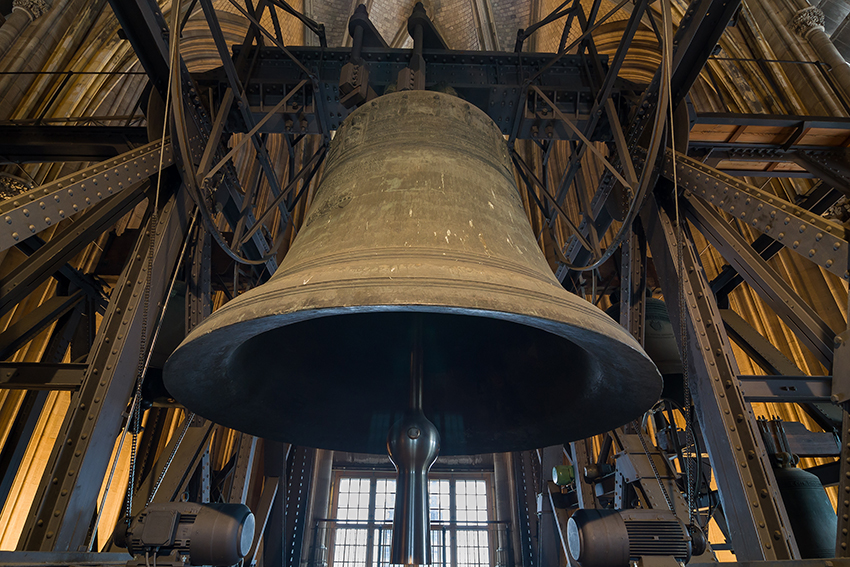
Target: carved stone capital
[(806, 20), (33, 8), (12, 186)]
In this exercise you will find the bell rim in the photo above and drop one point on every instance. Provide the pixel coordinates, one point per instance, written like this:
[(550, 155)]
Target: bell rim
[(221, 341)]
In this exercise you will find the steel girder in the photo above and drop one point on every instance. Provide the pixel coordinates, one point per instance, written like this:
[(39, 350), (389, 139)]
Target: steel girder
[(62, 509), (751, 502), (810, 329), (52, 256), (40, 143), (842, 544), (808, 234), (32, 212), (41, 376), (817, 201)]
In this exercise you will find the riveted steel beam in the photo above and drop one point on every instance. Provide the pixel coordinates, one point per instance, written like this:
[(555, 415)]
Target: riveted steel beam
[(63, 506), (817, 201), (51, 257), (31, 212), (41, 376), (779, 295), (27, 327), (810, 235), (39, 144), (786, 388), (198, 278), (751, 502), (633, 282), (241, 474), (842, 540)]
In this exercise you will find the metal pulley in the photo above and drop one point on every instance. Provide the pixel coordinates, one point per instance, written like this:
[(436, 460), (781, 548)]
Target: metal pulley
[(417, 224)]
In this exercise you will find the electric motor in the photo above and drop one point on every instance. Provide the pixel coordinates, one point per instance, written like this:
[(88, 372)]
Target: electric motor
[(611, 538), (208, 534)]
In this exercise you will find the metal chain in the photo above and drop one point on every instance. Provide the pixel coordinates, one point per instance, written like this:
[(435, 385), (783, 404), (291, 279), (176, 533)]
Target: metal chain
[(524, 488), (690, 442), (135, 416), (680, 252), (655, 472), (189, 419)]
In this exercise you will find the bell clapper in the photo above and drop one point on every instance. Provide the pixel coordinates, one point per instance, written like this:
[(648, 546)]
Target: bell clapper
[(413, 444)]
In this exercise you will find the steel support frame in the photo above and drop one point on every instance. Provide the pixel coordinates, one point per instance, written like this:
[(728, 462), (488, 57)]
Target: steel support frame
[(34, 211), (698, 32), (806, 233), (53, 255), (603, 103), (239, 94), (776, 292), (63, 506), (751, 502), (145, 26), (492, 81), (817, 201)]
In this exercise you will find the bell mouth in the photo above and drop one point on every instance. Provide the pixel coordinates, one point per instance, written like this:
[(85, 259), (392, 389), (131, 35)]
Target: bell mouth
[(338, 379)]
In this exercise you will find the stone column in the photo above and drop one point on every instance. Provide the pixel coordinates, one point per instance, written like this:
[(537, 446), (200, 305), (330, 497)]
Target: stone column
[(314, 552), (23, 12), (808, 24), (506, 502)]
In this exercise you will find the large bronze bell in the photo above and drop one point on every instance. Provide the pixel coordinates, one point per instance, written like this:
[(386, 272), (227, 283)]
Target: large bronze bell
[(417, 230)]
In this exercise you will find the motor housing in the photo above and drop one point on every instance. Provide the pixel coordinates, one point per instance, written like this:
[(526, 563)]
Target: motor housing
[(206, 534), (612, 538)]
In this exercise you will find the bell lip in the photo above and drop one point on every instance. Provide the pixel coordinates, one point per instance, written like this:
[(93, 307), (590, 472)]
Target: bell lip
[(202, 368)]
